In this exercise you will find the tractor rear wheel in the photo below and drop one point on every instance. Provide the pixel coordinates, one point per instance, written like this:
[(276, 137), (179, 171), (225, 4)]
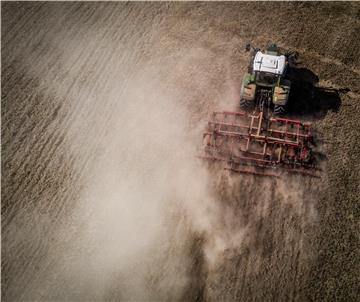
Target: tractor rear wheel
[(279, 110), (246, 105)]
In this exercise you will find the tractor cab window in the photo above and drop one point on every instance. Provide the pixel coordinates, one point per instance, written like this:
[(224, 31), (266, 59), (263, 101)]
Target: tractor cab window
[(267, 79)]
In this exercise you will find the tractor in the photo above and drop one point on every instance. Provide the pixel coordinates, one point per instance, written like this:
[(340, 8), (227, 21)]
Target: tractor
[(265, 85)]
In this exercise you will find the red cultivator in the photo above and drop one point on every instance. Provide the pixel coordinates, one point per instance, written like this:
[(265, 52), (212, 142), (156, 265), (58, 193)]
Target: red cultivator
[(260, 145)]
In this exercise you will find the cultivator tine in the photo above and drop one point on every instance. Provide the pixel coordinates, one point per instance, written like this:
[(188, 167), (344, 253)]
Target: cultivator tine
[(244, 171), (309, 172)]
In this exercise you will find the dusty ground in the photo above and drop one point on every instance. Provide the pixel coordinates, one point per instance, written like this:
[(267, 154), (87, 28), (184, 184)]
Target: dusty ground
[(103, 105)]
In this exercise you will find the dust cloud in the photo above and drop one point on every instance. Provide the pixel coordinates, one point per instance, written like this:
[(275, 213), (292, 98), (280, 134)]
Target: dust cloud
[(146, 170), (145, 196)]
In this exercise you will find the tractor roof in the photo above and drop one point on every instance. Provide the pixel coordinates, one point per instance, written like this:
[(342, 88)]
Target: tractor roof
[(269, 63)]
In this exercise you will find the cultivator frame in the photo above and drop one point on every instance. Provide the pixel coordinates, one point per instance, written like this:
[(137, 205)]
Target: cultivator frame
[(253, 143)]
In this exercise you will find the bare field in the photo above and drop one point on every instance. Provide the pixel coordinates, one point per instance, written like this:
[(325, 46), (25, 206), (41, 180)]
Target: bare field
[(103, 106)]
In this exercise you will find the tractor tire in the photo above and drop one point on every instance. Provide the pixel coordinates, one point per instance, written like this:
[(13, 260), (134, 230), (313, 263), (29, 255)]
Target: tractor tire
[(246, 105), (279, 110)]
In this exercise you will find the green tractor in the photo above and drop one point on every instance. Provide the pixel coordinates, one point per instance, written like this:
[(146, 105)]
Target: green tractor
[(265, 83)]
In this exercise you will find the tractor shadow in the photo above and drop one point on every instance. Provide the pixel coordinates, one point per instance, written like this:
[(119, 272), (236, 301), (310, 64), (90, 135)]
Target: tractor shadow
[(309, 100)]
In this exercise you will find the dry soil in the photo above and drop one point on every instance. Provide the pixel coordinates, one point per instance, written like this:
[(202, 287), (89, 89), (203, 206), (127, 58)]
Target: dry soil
[(103, 105)]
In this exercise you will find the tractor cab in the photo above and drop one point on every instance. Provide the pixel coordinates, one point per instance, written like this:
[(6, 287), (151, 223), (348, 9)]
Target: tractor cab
[(269, 63)]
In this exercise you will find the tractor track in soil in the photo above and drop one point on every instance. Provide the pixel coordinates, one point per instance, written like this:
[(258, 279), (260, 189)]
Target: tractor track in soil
[(103, 105)]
